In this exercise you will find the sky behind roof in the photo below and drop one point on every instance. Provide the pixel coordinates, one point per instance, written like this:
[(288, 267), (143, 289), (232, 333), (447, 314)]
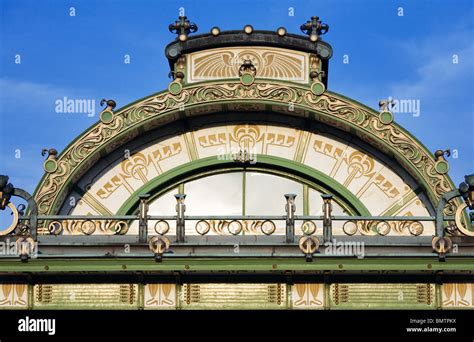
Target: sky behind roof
[(411, 56)]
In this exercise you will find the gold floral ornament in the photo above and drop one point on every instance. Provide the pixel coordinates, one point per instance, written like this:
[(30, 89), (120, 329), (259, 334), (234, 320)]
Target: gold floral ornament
[(159, 244), (441, 245), (309, 245), (50, 165), (107, 115)]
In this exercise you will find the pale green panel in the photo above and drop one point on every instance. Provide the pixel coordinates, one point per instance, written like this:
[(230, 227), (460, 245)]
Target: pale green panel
[(382, 296), (85, 296), (234, 296)]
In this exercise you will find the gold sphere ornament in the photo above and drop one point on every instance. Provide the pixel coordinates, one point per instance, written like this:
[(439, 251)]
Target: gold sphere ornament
[(248, 29), (281, 31), (215, 31)]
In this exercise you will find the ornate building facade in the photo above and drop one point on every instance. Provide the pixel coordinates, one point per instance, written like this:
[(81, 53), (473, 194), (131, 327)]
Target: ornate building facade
[(246, 184)]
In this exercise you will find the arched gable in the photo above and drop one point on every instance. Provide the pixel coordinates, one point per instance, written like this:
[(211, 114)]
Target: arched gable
[(293, 100)]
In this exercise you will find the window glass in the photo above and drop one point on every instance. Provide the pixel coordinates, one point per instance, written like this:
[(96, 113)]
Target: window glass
[(265, 194), (215, 195), (316, 205)]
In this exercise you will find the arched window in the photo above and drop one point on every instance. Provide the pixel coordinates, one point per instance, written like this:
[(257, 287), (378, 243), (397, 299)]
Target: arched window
[(249, 193)]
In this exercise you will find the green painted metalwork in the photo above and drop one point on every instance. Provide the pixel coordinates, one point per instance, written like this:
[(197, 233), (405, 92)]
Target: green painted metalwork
[(290, 168), (235, 264), (361, 131)]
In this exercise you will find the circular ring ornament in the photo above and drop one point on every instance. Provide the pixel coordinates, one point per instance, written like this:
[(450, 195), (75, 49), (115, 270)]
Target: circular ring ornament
[(415, 228), (268, 227), (159, 244), (386, 117), (383, 228), (50, 165), (202, 227), (12, 226), (458, 220), (121, 227), (106, 116), (309, 244), (175, 87), (162, 227), (318, 88), (441, 244), (350, 228), (55, 227), (88, 227), (234, 227), (308, 227), (442, 167), (247, 79)]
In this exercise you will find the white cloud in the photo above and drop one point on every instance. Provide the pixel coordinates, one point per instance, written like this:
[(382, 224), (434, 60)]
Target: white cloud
[(435, 71)]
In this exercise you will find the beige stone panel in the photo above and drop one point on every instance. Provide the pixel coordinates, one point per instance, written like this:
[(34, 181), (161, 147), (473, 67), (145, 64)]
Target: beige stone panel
[(279, 141), (121, 180), (270, 63), (213, 141), (323, 153)]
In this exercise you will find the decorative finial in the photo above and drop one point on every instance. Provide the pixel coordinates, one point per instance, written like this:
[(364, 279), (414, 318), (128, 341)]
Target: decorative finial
[(314, 28), (111, 104), (50, 165), (107, 115), (247, 72), (441, 165), (385, 114), (182, 27), (6, 191)]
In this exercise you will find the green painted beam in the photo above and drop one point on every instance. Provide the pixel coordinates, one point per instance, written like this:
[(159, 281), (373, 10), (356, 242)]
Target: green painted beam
[(236, 264)]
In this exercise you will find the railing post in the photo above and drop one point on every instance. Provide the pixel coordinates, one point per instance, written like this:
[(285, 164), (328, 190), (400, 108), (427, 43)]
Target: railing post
[(290, 209), (180, 209), (143, 218), (327, 219)]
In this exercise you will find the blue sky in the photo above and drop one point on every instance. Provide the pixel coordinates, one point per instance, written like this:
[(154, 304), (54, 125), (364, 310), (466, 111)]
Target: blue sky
[(82, 56)]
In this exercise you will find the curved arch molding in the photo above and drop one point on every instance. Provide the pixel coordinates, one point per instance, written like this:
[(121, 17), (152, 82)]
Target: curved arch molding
[(212, 97)]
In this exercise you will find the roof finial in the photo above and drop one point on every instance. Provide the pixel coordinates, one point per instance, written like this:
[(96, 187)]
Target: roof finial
[(314, 28), (182, 27)]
